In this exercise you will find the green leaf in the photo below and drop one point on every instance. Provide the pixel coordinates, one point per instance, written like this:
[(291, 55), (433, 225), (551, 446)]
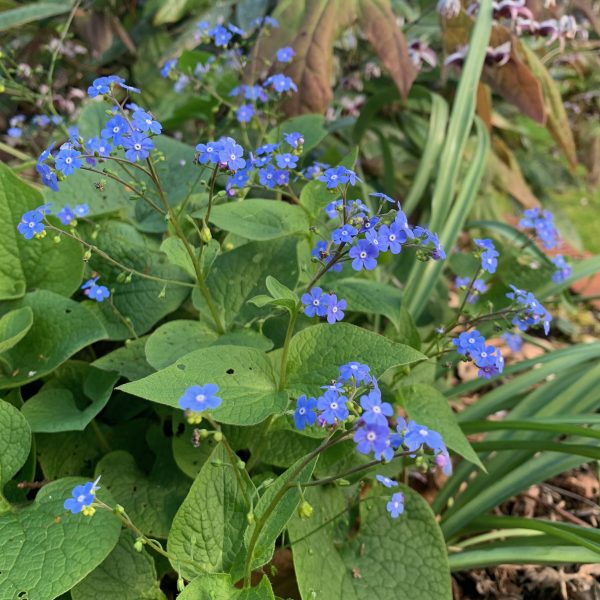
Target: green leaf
[(71, 399), (260, 220), (207, 532), (188, 458), (175, 339), (129, 360), (71, 545), (240, 274), (61, 327), (220, 587), (385, 559), (371, 297), (14, 325), (170, 12), (143, 302), (31, 264), (36, 11), (151, 500), (428, 406), (177, 254), (317, 352), (15, 441), (285, 508), (245, 377), (125, 574)]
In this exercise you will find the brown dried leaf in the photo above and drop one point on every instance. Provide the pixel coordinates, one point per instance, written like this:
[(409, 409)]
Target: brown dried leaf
[(378, 23), (514, 80), (484, 105), (96, 29)]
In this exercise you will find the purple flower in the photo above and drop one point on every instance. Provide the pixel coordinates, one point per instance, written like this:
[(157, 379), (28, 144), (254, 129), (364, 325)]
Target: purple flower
[(199, 398), (305, 414), (333, 407), (364, 255), (396, 505)]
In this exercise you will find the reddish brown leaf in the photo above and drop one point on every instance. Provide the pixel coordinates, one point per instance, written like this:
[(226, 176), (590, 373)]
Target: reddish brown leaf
[(378, 23), (514, 80), (484, 105)]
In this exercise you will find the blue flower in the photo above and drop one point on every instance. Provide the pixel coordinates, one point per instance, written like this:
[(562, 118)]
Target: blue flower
[(98, 146), (145, 122), (426, 237), (417, 435), (83, 497), (266, 176), (285, 55), (168, 67), (358, 371), (321, 252), (245, 113), (199, 398), (543, 224), (294, 139), (137, 146), (282, 177), (67, 161), (66, 215), (386, 481), (208, 153), (286, 161), (315, 302), (31, 224), (442, 460), (81, 210), (383, 197), (364, 255), (333, 407), (93, 291), (235, 29), (513, 340), (391, 238), (281, 83), (115, 129), (48, 176), (238, 179), (99, 86), (371, 438), (344, 234), (563, 269), (335, 309), (489, 256), (305, 414), (250, 92), (530, 310), (231, 153), (266, 149), (336, 176), (264, 21), (396, 505), (14, 132), (375, 411), (220, 36)]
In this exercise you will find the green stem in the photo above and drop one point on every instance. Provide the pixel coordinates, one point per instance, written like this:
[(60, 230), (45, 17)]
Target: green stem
[(286, 349)]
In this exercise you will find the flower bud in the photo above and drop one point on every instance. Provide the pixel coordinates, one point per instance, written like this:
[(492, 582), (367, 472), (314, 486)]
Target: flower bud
[(180, 584), (305, 510), (118, 509), (218, 436), (205, 234), (250, 518), (87, 255), (138, 545), (241, 465)]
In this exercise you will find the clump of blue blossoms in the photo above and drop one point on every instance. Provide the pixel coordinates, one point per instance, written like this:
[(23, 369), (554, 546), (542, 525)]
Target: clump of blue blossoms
[(83, 497), (473, 346), (197, 399), (488, 254), (530, 312), (542, 224), (478, 287), (353, 402), (563, 269)]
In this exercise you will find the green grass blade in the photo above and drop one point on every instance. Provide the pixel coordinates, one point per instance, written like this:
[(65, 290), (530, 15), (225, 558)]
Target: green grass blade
[(537, 446), (558, 427)]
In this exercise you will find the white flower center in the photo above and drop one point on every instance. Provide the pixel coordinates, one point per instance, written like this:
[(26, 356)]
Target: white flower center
[(316, 302), (371, 436), (392, 237), (363, 255), (68, 160), (334, 309), (116, 129), (137, 146), (377, 409), (200, 398), (423, 432), (302, 411), (81, 498), (333, 406)]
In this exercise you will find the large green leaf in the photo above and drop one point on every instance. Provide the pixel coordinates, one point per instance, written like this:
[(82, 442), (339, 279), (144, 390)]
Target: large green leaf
[(71, 399), (14, 325), (385, 559), (125, 574), (317, 352), (245, 376), (208, 530), (430, 407), (129, 360), (177, 338), (15, 441), (220, 587), (151, 500), (61, 327), (34, 11), (47, 550), (240, 274), (31, 264), (143, 302), (261, 220)]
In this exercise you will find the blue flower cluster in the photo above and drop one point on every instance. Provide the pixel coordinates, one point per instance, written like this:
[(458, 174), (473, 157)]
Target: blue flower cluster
[(472, 345), (32, 222), (354, 397), (530, 312), (513, 340), (82, 499), (316, 303), (130, 129), (197, 399), (542, 223), (93, 291), (478, 287), (563, 269)]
